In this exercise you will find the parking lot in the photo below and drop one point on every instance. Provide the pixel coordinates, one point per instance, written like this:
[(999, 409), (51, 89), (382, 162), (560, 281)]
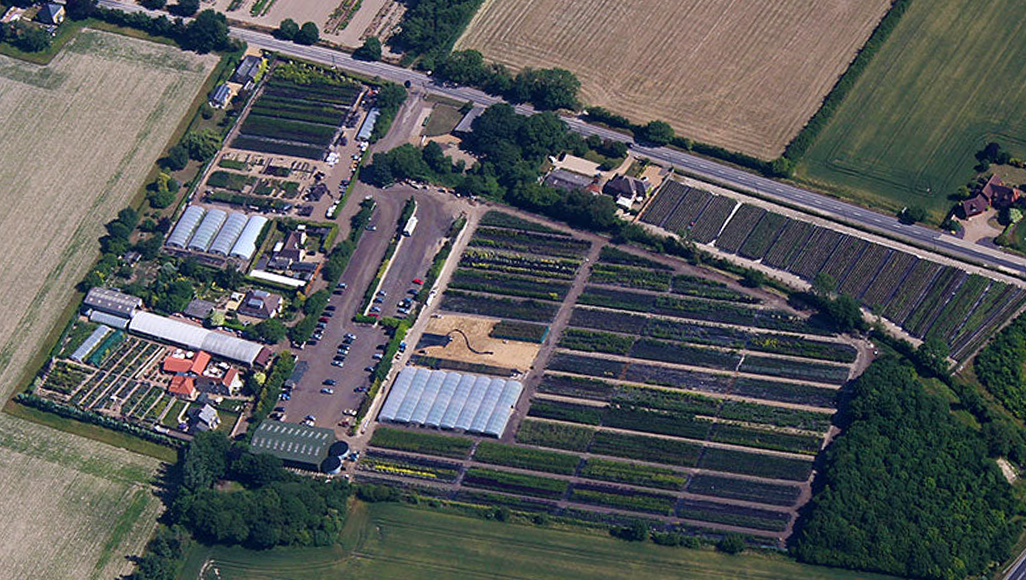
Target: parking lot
[(435, 212)]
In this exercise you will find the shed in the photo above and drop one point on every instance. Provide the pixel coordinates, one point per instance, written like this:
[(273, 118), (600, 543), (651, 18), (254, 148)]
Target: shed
[(567, 180), (221, 96), (198, 309), (112, 301), (296, 445), (367, 127), (247, 70)]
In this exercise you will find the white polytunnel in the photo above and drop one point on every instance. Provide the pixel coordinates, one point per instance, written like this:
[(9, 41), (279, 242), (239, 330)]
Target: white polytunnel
[(230, 232), (195, 337), (207, 229), (245, 246), (187, 224)]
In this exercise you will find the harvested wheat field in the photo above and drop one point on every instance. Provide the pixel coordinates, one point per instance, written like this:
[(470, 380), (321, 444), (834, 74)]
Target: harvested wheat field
[(505, 353), (740, 74), (77, 138), (71, 508)]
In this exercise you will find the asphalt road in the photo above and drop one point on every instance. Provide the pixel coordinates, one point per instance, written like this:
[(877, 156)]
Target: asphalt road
[(1018, 569)]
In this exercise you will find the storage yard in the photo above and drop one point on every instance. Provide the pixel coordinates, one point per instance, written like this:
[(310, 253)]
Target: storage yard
[(924, 297), (742, 77)]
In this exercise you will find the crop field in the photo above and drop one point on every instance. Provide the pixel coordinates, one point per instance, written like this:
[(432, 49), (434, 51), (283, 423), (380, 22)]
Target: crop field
[(98, 81), (72, 508), (298, 112), (906, 133), (742, 79), (923, 297)]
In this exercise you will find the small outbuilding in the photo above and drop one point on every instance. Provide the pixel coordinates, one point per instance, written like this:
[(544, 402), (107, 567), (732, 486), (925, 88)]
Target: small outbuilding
[(221, 96), (51, 13)]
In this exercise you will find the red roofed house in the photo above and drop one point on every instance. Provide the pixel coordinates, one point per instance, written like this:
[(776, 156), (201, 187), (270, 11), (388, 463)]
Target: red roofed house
[(183, 387), (229, 384), (993, 193)]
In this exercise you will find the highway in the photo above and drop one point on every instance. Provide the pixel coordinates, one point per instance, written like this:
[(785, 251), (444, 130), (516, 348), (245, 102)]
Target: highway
[(783, 193)]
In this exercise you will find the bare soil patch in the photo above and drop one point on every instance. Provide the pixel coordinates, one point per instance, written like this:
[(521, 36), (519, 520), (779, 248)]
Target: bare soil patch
[(506, 353)]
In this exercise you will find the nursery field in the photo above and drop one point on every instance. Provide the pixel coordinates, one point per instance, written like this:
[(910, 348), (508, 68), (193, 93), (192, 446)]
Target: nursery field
[(745, 79), (63, 113), (97, 507), (923, 297)]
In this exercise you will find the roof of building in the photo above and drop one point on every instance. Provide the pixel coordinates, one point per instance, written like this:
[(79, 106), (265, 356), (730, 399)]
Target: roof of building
[(195, 337), (90, 343), (208, 228), (112, 301), (183, 386), (199, 309), (623, 186), (294, 443), (51, 13), (230, 232), (230, 376), (113, 320), (247, 69), (260, 303), (568, 180), (245, 246), (473, 403), (221, 94), (187, 224), (466, 123), (975, 205), (277, 278), (208, 415), (176, 364), (368, 125)]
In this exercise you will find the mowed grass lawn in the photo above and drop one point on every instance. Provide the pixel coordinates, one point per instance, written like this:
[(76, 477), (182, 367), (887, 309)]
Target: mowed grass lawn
[(397, 541), (947, 81), (77, 139), (70, 508)]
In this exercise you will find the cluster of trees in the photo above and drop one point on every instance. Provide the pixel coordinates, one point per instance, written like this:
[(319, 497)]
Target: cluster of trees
[(370, 50), (390, 97), (274, 506), (431, 27), (271, 331), (307, 34), (993, 153), (906, 488), (27, 37), (115, 243), (162, 192), (313, 307), (207, 32), (163, 555), (407, 162), (999, 367), (199, 145), (548, 89)]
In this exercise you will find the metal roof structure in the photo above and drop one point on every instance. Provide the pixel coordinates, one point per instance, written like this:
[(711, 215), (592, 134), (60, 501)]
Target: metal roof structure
[(466, 123), (295, 444), (112, 301), (368, 125), (109, 319), (207, 229), (472, 403), (195, 337), (186, 225), (245, 245), (90, 343), (230, 232)]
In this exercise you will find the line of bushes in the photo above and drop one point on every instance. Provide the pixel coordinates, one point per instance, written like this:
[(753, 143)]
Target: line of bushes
[(69, 412)]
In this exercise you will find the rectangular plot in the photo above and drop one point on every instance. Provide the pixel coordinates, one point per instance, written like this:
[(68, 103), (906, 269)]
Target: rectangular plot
[(755, 464), (743, 489), (789, 244), (659, 350), (677, 378), (840, 262), (996, 298), (739, 227), (530, 310), (937, 296), (908, 295), (785, 392), (708, 225), (888, 280), (864, 270), (790, 369), (664, 203), (821, 244), (950, 318), (763, 236), (586, 365), (608, 320), (765, 439), (733, 515), (643, 448), (683, 217)]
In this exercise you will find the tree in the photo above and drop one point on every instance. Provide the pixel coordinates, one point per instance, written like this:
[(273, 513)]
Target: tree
[(203, 144), (911, 215), (370, 50), (271, 331), (207, 32), (658, 133), (229, 278), (753, 278), (177, 158), (549, 89), (154, 4), (932, 355), (287, 30), (845, 313), (308, 34), (731, 544), (32, 39), (80, 9), (185, 8), (823, 285)]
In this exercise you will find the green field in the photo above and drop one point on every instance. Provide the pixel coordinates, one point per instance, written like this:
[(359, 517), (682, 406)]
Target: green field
[(946, 82), (385, 541)]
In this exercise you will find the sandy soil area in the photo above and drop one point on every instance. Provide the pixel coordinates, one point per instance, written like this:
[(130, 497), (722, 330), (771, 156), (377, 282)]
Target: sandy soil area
[(505, 353)]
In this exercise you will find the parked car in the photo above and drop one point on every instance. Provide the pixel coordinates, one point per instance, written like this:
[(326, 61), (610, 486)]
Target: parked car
[(378, 356), (375, 309), (379, 300), (372, 228), (329, 382), (336, 363), (382, 293), (327, 391), (311, 418), (350, 337), (418, 281), (369, 369), (330, 308), (341, 285)]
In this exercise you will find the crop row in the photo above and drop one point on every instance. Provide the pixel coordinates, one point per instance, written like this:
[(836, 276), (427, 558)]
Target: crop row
[(739, 227), (847, 252), (644, 420), (777, 416), (594, 341), (632, 474), (271, 106), (508, 284), (659, 350), (789, 244), (519, 264), (529, 242), (711, 289), (414, 467), (710, 222), (790, 369), (531, 310), (521, 504), (643, 448), (763, 236), (518, 483), (659, 210), (64, 378), (501, 219), (623, 498), (630, 277), (911, 291), (954, 313), (517, 330), (815, 254), (251, 143), (299, 131), (554, 435), (948, 281), (614, 255), (970, 338), (733, 515), (888, 280), (999, 296), (755, 464), (579, 387), (742, 489), (765, 438), (683, 217), (864, 271), (526, 458), (570, 412), (426, 443), (615, 321)]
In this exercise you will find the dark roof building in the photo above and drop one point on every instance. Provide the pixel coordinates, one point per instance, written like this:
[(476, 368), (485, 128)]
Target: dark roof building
[(260, 304), (247, 70), (975, 205), (198, 309), (296, 445), (567, 180), (999, 194), (112, 301), (222, 94), (466, 123), (623, 186), (51, 13)]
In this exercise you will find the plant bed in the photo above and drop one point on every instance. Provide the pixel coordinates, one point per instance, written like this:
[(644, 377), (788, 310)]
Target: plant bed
[(790, 369), (516, 483), (733, 515), (593, 341), (517, 330), (623, 498), (526, 458), (765, 439), (554, 435), (614, 255), (508, 284), (569, 412), (529, 242), (414, 467), (530, 310), (644, 448), (633, 474), (755, 464), (776, 416), (504, 220), (630, 277), (743, 489), (426, 443)]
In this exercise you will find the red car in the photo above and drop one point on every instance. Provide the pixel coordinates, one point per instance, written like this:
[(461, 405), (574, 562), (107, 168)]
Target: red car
[(373, 315), (418, 281), (323, 319)]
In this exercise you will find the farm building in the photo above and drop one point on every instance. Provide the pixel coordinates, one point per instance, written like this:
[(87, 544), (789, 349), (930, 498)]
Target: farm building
[(183, 387), (368, 125), (111, 320), (221, 96), (247, 70), (624, 186), (260, 304), (51, 13), (193, 337), (90, 343), (183, 364), (229, 234), (568, 180), (297, 446), (112, 301), (198, 309), (471, 403)]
